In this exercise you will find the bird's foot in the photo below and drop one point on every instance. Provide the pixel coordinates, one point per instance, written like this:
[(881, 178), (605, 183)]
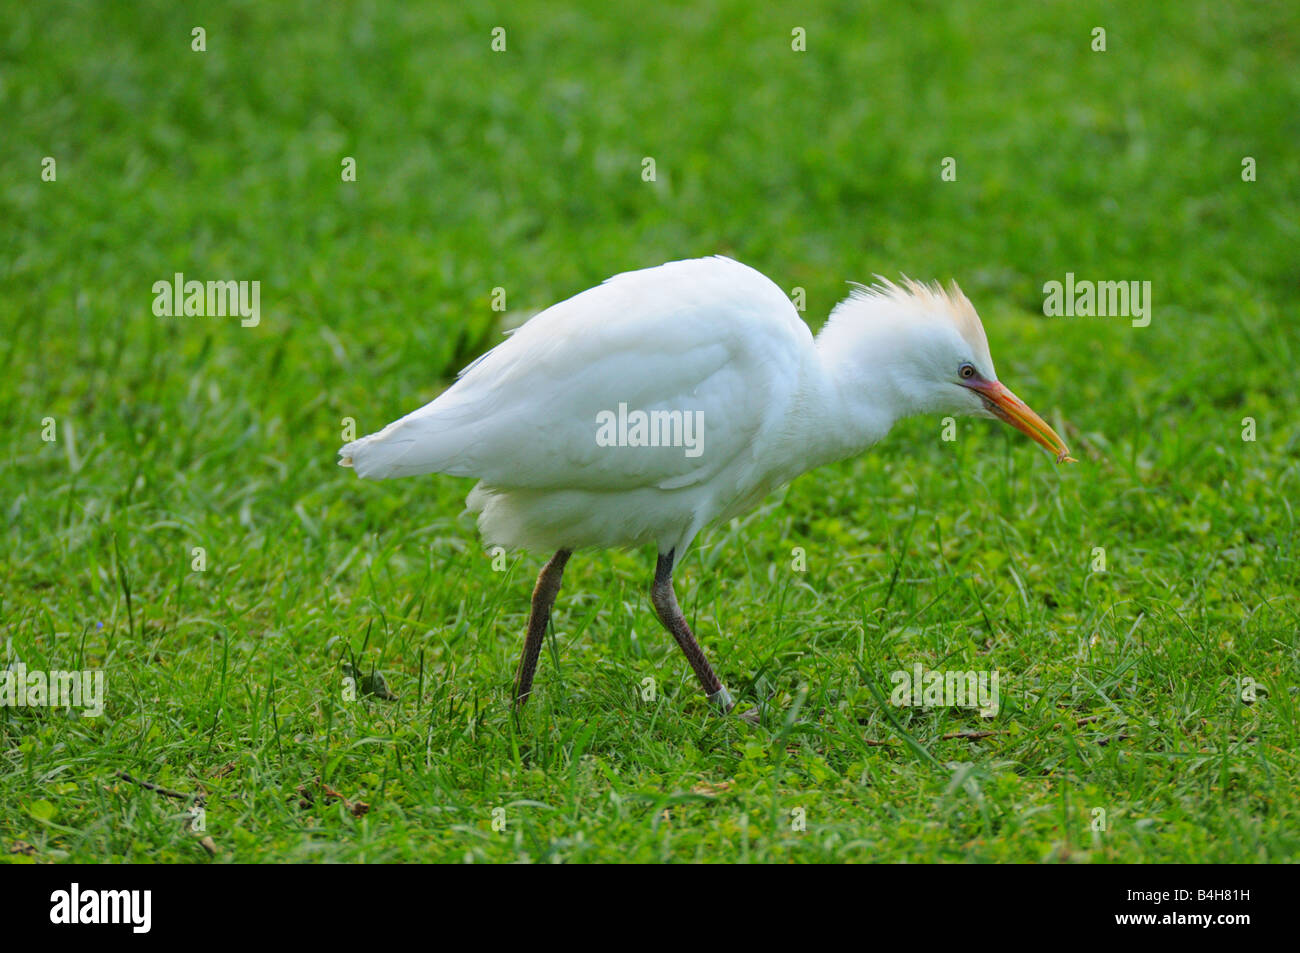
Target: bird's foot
[(726, 704), (722, 700)]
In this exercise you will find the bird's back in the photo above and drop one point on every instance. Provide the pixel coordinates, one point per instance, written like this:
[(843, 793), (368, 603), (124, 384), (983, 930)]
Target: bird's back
[(709, 337)]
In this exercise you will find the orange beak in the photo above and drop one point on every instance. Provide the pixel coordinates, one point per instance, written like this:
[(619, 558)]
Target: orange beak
[(1007, 406)]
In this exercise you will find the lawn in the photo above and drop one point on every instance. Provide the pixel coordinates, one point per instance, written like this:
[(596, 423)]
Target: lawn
[(175, 519)]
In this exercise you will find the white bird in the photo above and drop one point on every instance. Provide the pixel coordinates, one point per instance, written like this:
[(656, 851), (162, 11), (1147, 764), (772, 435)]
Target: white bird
[(662, 400)]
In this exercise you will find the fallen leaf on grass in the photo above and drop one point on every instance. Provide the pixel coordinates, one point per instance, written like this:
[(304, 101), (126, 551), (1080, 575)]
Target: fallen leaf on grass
[(308, 798), (709, 788)]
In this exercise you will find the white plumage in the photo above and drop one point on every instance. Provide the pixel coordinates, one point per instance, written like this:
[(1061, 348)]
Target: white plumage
[(710, 338), (707, 335)]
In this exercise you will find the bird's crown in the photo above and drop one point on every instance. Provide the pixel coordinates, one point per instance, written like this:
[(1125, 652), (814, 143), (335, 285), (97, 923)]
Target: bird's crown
[(919, 300)]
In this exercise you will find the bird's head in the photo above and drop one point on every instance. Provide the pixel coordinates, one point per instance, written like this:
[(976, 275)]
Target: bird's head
[(923, 348)]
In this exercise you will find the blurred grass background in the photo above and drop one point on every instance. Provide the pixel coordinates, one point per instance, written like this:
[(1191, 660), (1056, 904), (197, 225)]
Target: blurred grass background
[(522, 170)]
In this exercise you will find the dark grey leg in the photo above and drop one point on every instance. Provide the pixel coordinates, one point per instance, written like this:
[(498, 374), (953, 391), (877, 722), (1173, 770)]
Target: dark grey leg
[(548, 587), (670, 614)]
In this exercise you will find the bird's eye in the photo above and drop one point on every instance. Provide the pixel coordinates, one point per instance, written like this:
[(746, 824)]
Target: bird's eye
[(967, 371)]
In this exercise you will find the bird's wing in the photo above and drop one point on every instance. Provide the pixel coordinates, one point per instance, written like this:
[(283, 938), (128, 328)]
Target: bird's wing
[(709, 338)]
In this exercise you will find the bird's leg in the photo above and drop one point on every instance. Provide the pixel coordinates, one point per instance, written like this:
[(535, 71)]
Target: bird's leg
[(670, 614), (548, 587)]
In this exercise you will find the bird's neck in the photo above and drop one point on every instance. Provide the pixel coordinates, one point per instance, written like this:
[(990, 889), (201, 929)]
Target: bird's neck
[(843, 409)]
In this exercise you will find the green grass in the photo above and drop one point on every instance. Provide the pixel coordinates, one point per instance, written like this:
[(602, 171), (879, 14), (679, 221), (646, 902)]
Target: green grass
[(522, 170)]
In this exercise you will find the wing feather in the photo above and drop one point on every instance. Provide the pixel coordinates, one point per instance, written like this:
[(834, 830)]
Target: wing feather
[(707, 335)]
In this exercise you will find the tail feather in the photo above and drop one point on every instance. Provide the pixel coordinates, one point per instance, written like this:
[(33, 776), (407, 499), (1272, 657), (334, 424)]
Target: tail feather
[(376, 457), (406, 447)]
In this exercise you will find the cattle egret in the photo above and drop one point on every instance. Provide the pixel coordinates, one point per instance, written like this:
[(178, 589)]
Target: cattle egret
[(646, 408)]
